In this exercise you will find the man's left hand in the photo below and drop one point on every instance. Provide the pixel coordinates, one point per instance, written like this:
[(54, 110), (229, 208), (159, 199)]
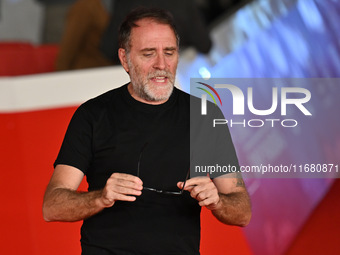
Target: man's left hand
[(203, 190)]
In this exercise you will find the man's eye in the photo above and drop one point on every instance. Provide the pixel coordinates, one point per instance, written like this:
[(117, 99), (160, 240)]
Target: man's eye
[(169, 53), (147, 54)]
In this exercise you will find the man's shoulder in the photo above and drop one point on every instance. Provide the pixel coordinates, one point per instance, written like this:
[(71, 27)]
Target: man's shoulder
[(103, 99), (192, 100), (185, 96)]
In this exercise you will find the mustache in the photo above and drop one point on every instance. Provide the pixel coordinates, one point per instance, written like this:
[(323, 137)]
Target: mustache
[(161, 73)]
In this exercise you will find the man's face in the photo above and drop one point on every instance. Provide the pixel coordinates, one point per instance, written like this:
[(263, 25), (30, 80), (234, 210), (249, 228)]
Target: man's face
[(152, 61)]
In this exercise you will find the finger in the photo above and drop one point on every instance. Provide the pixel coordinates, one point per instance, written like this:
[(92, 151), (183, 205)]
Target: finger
[(180, 185), (127, 177), (208, 202), (186, 187), (195, 191), (201, 196), (121, 197), (114, 181), (128, 184), (110, 198), (126, 191), (200, 186), (201, 193), (197, 181), (193, 182)]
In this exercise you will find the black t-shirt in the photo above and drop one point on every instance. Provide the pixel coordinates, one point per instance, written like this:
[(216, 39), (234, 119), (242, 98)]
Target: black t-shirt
[(108, 133)]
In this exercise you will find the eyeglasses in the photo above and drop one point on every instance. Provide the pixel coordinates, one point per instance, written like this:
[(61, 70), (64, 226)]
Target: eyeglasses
[(159, 190)]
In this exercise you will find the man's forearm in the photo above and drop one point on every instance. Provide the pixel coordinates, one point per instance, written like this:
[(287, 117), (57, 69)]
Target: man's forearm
[(234, 209), (62, 204)]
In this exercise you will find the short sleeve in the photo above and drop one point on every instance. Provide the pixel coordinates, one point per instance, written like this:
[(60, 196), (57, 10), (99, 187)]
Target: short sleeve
[(76, 149), (224, 151), (211, 146)]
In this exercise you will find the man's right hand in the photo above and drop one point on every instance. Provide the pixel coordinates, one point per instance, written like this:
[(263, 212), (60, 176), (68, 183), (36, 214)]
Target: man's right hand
[(62, 201), (123, 187)]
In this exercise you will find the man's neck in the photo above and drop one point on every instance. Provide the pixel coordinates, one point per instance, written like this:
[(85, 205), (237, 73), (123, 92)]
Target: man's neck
[(136, 97)]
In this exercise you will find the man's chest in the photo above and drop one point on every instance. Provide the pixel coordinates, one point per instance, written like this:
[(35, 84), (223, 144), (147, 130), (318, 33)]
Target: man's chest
[(158, 143)]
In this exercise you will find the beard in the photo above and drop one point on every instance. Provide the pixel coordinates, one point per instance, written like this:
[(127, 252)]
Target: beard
[(145, 89)]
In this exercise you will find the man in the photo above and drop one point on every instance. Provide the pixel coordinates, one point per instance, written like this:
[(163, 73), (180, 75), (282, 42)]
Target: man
[(132, 143)]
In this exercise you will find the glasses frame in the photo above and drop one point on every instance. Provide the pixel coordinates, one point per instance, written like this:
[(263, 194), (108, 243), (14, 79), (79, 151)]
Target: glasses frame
[(160, 191)]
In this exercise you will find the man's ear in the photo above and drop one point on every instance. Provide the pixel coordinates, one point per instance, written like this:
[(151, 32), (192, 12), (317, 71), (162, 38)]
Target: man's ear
[(123, 59)]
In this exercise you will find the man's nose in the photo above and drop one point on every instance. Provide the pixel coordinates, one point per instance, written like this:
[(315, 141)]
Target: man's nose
[(160, 62)]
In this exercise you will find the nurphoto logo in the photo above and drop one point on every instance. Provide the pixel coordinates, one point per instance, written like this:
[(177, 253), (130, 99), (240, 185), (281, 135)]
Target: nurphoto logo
[(281, 99)]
